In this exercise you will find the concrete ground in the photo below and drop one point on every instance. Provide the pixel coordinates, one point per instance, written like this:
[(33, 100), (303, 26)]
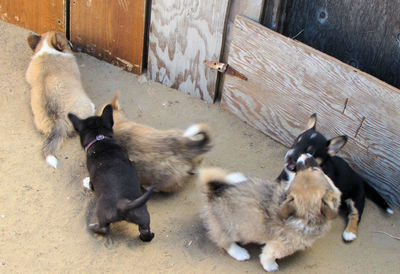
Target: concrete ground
[(44, 212)]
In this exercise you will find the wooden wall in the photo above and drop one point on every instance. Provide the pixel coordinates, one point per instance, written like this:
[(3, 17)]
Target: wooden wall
[(288, 81), (184, 33), (110, 30), (39, 16)]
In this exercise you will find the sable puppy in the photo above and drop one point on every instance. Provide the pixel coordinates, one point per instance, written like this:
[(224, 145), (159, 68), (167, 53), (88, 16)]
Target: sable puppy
[(285, 218), (112, 175), (353, 187), (56, 90), (166, 158)]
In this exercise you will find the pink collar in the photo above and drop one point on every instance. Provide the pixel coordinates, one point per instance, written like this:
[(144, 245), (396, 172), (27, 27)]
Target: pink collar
[(98, 138)]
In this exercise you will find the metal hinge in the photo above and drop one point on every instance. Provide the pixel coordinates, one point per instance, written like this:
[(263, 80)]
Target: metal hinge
[(225, 68)]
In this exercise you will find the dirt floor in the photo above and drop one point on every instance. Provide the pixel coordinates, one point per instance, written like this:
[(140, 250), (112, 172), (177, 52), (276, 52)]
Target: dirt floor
[(44, 212)]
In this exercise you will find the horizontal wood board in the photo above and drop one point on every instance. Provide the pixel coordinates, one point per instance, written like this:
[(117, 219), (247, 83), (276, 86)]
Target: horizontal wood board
[(288, 81), (38, 16), (110, 30), (183, 34)]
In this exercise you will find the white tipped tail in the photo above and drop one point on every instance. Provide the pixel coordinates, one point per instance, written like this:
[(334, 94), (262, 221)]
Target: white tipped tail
[(235, 178), (52, 161), (191, 131)]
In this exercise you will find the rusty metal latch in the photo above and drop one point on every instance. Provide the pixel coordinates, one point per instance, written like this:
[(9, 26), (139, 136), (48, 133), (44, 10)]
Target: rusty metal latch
[(225, 68)]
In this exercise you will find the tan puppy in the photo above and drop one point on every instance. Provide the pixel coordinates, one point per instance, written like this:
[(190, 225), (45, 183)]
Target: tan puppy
[(165, 158), (56, 90), (286, 218)]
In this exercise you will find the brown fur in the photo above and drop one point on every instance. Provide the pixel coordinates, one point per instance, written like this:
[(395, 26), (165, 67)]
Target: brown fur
[(162, 157), (56, 89), (284, 219)]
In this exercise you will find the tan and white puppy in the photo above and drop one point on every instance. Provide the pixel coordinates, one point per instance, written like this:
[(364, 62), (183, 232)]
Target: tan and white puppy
[(237, 209), (165, 158), (56, 90)]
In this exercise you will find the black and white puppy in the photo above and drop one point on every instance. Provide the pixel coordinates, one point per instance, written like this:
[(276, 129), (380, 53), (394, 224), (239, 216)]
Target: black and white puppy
[(112, 175), (353, 187)]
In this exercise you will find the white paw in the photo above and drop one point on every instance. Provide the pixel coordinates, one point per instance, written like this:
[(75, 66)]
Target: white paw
[(52, 161), (388, 210), (86, 183), (349, 236), (238, 253), (191, 131), (270, 267), (235, 178), (93, 107)]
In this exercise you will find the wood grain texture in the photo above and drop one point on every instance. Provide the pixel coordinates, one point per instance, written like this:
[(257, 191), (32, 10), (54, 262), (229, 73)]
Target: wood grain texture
[(288, 81), (364, 34), (110, 30), (184, 33), (38, 16)]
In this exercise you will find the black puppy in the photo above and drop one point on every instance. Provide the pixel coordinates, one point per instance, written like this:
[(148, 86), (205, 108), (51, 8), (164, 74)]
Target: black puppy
[(353, 187), (112, 175)]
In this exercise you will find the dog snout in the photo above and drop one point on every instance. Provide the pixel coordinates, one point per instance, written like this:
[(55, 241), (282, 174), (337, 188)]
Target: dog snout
[(305, 161)]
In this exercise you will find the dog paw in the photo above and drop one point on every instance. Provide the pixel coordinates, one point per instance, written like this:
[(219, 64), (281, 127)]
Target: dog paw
[(238, 253), (146, 237), (52, 161), (349, 236), (270, 267), (86, 183), (389, 210)]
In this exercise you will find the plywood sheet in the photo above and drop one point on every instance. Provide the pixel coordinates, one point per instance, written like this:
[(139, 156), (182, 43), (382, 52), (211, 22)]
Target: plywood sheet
[(288, 81), (38, 16), (183, 34), (110, 30)]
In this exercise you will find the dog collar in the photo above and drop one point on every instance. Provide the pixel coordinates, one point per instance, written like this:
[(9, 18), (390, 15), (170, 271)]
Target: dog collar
[(98, 138)]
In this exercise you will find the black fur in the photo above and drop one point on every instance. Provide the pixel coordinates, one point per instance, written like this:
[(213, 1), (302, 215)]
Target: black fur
[(351, 184), (113, 177)]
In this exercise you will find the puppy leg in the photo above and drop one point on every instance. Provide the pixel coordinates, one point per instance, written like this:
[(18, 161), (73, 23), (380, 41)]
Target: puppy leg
[(272, 251), (237, 252), (350, 233), (100, 228), (105, 215), (141, 217)]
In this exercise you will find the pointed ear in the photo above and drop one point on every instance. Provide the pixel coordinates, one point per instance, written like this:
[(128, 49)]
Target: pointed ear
[(76, 122), (33, 41), (312, 122), (330, 204), (114, 102), (107, 116), (287, 208), (335, 144)]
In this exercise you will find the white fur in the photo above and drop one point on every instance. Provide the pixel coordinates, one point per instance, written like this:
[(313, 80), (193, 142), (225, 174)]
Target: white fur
[(238, 253), (46, 49), (191, 131), (349, 236), (271, 266), (93, 107), (235, 178), (313, 135), (86, 183), (52, 161), (291, 176), (388, 210), (288, 153)]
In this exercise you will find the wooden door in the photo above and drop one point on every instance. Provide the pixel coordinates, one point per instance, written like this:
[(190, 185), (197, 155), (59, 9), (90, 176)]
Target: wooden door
[(110, 30), (38, 16), (288, 81)]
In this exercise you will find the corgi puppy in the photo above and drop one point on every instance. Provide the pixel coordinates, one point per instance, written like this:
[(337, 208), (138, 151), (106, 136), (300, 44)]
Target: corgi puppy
[(286, 218), (56, 90), (165, 158)]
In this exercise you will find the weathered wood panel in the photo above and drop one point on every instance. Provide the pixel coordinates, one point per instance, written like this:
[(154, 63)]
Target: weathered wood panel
[(184, 33), (288, 81), (38, 16), (110, 30), (364, 34)]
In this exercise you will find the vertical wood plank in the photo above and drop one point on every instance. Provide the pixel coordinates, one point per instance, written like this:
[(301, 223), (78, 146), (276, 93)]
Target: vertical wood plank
[(38, 16), (110, 30), (288, 81), (184, 33)]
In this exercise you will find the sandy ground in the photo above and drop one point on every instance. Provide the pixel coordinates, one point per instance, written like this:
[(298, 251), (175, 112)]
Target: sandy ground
[(44, 212)]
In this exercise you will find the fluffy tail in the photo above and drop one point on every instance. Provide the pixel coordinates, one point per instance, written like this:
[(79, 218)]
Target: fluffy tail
[(125, 204), (53, 143), (215, 181), (376, 198), (198, 138)]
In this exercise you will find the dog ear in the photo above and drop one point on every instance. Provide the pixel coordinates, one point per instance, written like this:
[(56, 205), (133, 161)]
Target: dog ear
[(312, 122), (330, 204), (287, 208), (76, 122), (335, 144), (107, 116), (58, 41), (114, 102), (33, 41)]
